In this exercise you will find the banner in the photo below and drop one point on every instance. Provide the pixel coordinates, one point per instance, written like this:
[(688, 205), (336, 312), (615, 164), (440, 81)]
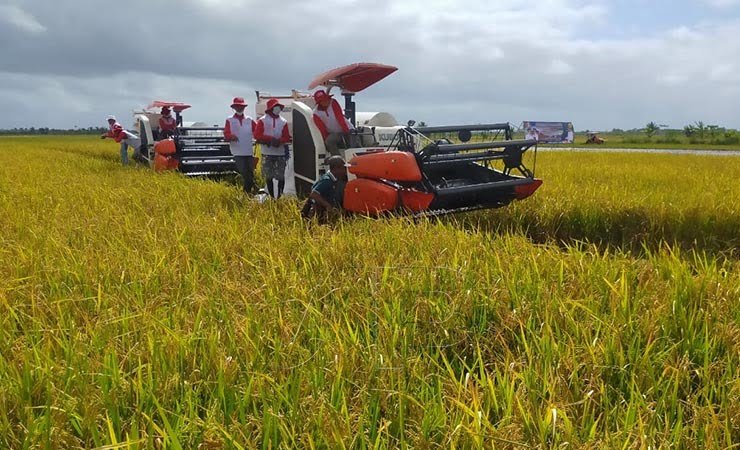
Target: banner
[(549, 132)]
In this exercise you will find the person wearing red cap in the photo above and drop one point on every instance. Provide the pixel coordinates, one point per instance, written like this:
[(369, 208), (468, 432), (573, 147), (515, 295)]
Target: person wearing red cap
[(238, 132), (125, 138), (329, 118), (167, 123), (273, 135)]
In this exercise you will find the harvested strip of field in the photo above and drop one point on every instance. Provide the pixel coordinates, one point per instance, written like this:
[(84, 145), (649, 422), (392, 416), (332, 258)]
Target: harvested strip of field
[(155, 310)]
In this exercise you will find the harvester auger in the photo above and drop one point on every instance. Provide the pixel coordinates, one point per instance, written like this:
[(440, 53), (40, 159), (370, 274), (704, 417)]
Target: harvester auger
[(195, 149), (407, 169)]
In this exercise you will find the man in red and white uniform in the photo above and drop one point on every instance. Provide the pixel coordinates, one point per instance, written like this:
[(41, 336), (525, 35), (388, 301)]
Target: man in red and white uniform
[(238, 132), (167, 123), (125, 138), (273, 135), (329, 118)]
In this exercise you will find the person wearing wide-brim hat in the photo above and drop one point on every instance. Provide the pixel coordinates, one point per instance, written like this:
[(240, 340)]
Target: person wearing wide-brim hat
[(329, 118), (239, 132), (273, 135), (167, 123)]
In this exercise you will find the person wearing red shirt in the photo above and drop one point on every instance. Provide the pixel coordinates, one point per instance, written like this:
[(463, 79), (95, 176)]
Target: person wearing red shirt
[(125, 138), (167, 124), (329, 118), (238, 132), (273, 135)]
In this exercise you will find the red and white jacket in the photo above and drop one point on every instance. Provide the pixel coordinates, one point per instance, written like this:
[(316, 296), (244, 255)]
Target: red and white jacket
[(268, 128), (241, 127), (167, 123), (331, 120), (118, 133)]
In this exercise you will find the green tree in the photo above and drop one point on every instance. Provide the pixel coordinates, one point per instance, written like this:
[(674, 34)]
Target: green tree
[(651, 128), (700, 128)]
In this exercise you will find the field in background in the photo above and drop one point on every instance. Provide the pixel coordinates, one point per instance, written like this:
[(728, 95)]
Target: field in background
[(140, 310), (668, 139)]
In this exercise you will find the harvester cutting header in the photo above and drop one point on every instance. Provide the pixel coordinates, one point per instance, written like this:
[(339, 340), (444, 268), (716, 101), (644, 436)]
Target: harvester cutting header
[(392, 167)]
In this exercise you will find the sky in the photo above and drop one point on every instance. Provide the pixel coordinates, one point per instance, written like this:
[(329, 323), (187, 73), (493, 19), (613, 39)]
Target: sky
[(601, 64)]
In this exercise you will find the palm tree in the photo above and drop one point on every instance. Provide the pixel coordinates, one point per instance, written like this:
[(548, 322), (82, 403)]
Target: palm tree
[(651, 128)]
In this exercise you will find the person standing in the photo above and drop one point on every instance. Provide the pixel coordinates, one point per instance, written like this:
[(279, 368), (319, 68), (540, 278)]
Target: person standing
[(167, 123), (273, 135), (125, 138), (238, 132), (329, 118)]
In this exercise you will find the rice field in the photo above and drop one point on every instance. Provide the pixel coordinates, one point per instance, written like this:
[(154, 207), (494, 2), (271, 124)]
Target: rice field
[(142, 310)]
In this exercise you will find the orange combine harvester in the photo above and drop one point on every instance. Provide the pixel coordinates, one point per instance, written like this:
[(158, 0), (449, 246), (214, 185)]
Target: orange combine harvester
[(393, 168)]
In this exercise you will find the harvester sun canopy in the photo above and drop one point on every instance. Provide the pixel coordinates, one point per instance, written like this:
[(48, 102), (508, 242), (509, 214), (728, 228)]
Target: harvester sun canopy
[(176, 106), (354, 77)]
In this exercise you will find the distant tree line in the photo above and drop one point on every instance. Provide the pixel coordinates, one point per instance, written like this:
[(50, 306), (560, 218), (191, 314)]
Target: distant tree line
[(697, 133), (46, 130)]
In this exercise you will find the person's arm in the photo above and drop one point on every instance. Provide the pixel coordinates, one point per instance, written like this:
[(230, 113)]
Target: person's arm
[(259, 133), (228, 136), (285, 137), (315, 196), (320, 125)]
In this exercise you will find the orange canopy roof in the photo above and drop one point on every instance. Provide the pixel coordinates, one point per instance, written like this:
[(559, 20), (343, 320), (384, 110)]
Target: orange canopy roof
[(354, 77)]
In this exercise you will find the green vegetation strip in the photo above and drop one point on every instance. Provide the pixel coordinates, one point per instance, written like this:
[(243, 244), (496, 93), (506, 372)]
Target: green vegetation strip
[(140, 310)]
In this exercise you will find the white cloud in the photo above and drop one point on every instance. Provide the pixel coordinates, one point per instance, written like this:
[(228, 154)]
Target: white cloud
[(722, 3), (559, 67), (19, 18), (458, 62)]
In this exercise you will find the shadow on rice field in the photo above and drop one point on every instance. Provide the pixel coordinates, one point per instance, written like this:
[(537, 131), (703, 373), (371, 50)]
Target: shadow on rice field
[(633, 229)]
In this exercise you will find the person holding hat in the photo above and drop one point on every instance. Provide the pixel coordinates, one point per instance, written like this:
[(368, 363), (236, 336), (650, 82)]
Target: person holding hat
[(167, 123), (327, 193), (125, 138), (273, 135), (329, 118), (238, 132)]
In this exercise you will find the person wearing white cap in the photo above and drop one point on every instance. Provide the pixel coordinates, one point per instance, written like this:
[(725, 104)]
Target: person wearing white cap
[(125, 138)]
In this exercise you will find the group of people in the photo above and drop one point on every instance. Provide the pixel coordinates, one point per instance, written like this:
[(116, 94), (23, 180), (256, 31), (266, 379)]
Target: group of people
[(272, 133)]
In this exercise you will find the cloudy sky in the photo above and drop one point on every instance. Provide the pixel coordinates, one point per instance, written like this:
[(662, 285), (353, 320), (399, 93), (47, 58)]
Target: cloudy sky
[(601, 64)]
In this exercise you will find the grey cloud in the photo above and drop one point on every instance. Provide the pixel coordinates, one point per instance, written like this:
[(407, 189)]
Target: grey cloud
[(510, 61)]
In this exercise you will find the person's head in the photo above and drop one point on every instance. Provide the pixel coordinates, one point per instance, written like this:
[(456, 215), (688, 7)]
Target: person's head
[(337, 167), (322, 99), (166, 111), (238, 105), (111, 120), (274, 107)]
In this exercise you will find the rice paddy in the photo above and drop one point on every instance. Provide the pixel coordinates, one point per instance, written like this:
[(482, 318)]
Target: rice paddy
[(143, 310)]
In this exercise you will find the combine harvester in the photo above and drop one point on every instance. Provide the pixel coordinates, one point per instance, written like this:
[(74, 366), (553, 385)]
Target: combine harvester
[(196, 149), (395, 168)]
